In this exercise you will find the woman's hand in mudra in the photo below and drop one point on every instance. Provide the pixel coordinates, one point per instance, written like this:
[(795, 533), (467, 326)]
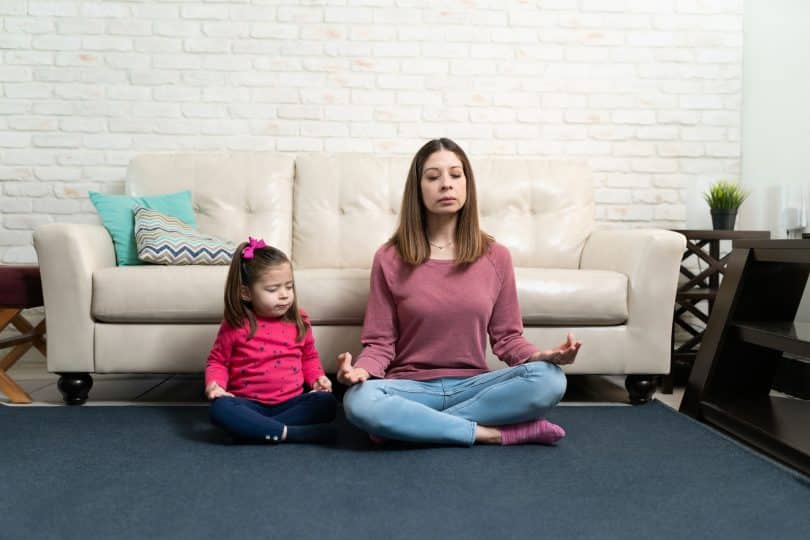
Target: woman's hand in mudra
[(346, 373), (561, 354)]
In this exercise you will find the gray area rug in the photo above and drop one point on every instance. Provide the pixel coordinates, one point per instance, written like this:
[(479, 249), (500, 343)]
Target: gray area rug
[(165, 472)]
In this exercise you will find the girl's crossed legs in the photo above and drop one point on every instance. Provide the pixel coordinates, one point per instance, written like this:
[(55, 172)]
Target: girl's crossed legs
[(447, 411), (305, 418)]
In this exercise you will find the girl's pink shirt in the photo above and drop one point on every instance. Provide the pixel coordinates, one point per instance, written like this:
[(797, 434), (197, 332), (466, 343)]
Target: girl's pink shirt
[(271, 367)]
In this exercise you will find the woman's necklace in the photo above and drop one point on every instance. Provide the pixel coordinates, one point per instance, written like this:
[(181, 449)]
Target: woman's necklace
[(442, 248)]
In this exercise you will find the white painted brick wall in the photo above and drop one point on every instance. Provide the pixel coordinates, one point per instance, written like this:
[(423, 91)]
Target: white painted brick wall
[(648, 91)]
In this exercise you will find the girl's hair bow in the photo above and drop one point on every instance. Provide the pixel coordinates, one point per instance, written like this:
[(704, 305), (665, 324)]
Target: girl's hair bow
[(253, 244)]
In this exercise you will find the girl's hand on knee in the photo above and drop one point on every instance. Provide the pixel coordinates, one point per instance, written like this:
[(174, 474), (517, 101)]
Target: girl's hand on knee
[(213, 391), (348, 375), (322, 384)]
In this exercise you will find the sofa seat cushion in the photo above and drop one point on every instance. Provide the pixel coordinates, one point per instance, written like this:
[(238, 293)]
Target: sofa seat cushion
[(333, 296), (560, 297), (194, 294), (159, 294)]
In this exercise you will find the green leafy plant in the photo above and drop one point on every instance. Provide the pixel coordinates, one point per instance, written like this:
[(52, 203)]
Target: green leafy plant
[(725, 195)]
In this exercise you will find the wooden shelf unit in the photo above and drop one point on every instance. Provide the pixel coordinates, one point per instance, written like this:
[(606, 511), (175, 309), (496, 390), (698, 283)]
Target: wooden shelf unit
[(697, 292), (777, 426), (751, 326)]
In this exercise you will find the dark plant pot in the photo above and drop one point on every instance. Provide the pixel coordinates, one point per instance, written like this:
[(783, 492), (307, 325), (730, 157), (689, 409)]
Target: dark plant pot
[(723, 219)]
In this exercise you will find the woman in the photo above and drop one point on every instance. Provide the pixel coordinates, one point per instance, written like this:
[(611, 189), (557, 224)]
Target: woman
[(439, 286)]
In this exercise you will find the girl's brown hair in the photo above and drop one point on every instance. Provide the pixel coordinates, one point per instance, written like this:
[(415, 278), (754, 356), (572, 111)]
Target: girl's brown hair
[(244, 273), (411, 238)]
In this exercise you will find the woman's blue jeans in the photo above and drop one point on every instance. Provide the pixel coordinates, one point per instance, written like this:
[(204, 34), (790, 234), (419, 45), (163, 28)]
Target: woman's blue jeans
[(446, 411)]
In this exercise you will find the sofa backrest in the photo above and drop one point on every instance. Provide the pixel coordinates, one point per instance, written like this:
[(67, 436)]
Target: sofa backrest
[(335, 210), (347, 205), (542, 210), (235, 195)]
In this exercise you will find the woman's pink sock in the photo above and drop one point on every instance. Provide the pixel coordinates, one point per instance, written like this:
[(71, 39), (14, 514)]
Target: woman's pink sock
[(378, 441), (534, 431)]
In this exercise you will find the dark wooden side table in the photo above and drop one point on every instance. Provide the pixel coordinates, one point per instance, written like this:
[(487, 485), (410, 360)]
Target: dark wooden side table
[(704, 245), (751, 327)]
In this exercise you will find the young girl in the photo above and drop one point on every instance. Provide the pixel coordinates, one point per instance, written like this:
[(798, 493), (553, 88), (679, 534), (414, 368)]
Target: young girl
[(263, 355)]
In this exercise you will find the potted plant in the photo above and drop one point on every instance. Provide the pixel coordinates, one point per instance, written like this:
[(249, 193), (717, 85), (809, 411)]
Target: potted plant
[(724, 198)]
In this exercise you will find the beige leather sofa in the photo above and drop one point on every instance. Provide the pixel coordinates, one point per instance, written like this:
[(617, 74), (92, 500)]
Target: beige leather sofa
[(614, 288)]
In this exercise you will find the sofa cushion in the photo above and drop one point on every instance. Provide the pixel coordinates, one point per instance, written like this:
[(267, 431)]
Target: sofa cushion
[(541, 209), (159, 294), (338, 297), (235, 194), (116, 214), (140, 294), (347, 205), (331, 296), (552, 296), (163, 239)]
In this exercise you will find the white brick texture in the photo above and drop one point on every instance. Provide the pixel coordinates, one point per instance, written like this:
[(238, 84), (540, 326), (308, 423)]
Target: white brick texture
[(648, 92)]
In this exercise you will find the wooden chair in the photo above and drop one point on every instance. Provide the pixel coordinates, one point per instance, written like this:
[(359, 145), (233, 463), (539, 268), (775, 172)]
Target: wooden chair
[(20, 288)]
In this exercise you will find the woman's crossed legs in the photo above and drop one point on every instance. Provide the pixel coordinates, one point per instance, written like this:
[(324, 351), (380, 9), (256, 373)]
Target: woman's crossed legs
[(458, 410)]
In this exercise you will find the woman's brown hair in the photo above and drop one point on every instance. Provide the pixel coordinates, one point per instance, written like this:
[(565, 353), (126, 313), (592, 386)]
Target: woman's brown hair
[(411, 238), (244, 272)]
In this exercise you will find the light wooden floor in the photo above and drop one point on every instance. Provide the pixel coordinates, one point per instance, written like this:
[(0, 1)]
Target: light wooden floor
[(143, 389)]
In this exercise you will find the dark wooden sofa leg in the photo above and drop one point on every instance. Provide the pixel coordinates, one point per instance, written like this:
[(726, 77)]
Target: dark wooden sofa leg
[(74, 387), (640, 388)]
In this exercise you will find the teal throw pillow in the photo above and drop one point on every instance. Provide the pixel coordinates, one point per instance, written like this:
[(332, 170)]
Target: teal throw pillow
[(116, 214), (163, 239)]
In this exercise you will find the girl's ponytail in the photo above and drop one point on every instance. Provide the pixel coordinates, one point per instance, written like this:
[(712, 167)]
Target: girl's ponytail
[(235, 310)]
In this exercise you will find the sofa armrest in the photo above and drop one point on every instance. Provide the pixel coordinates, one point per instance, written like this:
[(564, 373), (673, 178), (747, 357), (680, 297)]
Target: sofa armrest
[(650, 258), (68, 255)]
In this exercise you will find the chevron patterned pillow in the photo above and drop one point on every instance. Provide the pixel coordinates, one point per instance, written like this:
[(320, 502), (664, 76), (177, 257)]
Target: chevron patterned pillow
[(163, 239)]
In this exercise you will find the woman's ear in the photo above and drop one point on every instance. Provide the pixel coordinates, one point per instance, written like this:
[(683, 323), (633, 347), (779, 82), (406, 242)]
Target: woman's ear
[(244, 293)]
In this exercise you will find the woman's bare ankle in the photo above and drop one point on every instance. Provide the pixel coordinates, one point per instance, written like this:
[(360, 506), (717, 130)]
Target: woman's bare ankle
[(487, 435)]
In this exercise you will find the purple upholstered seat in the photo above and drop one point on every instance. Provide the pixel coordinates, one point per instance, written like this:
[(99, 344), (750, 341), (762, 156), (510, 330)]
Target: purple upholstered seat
[(20, 287)]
